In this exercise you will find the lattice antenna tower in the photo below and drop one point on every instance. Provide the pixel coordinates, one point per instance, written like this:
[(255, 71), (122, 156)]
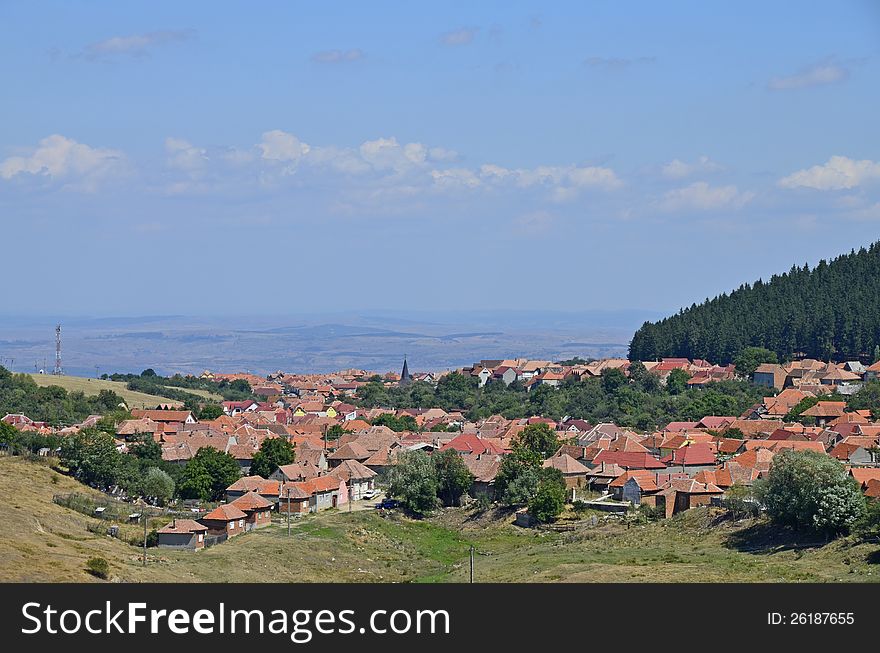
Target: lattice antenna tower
[(57, 370)]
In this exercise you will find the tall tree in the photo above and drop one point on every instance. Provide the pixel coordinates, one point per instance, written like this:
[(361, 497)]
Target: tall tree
[(414, 482), (538, 439), (453, 477), (273, 453), (677, 380), (748, 360), (807, 490), (208, 474), (157, 485), (92, 457), (549, 498)]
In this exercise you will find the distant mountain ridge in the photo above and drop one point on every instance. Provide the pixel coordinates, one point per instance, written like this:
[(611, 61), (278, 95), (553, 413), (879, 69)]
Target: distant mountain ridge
[(831, 312)]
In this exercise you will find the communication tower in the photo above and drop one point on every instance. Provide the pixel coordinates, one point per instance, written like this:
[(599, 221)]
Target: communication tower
[(57, 370)]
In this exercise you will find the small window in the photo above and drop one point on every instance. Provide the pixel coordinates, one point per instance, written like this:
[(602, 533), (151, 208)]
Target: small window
[(241, 523), (201, 537)]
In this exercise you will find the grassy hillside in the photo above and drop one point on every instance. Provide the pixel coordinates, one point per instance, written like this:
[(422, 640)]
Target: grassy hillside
[(94, 386), (45, 542), (202, 393)]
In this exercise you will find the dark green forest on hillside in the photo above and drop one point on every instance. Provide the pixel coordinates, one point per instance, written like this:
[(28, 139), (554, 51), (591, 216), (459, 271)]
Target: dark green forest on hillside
[(830, 312)]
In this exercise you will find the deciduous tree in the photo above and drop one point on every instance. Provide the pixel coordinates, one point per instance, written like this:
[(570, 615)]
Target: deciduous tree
[(414, 482), (273, 453), (453, 477), (809, 490), (208, 474)]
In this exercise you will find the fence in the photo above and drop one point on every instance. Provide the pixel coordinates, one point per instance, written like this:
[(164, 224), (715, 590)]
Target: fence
[(211, 540), (104, 507)]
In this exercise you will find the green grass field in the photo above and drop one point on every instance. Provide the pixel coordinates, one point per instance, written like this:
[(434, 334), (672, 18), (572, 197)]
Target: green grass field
[(94, 386), (44, 542)]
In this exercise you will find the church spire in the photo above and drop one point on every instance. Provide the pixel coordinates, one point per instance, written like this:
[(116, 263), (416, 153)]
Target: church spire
[(405, 378)]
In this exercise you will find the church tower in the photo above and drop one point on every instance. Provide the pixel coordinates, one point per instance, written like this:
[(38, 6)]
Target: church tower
[(405, 378)]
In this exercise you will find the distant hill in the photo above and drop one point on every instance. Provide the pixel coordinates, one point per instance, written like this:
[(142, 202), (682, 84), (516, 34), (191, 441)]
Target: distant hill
[(829, 312)]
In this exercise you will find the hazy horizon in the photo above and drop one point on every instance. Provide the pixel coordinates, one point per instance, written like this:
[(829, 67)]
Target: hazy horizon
[(431, 341)]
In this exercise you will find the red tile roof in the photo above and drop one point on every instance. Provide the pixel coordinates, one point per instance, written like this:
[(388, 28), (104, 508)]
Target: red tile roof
[(646, 479), (565, 464), (872, 489), (864, 475), (225, 512), (251, 501), (692, 454), (183, 526), (472, 443), (628, 460)]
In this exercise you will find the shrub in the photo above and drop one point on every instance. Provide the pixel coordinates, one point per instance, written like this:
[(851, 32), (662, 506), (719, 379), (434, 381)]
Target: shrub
[(482, 503), (98, 567), (651, 513), (869, 524), (740, 502)]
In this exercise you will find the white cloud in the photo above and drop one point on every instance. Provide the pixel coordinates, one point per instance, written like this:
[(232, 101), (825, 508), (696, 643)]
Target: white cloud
[(59, 157), (827, 72), (134, 44), (456, 178), (677, 169), (338, 56), (378, 169), (838, 173), (495, 173), (571, 177), (388, 154), (593, 176), (700, 196), (344, 160), (279, 145), (185, 156), (463, 36), (442, 154)]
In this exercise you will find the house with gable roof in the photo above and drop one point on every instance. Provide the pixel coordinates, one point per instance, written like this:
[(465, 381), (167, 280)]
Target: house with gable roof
[(226, 519), (573, 472), (356, 475), (258, 510), (182, 534)]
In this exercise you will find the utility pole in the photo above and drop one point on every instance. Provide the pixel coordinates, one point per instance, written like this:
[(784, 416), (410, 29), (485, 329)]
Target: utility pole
[(288, 512), (144, 515), (472, 563)]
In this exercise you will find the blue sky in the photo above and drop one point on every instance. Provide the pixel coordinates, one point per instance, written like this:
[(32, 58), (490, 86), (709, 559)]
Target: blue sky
[(207, 158)]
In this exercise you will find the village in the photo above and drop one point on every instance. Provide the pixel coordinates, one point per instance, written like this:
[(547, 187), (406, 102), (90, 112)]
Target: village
[(344, 453)]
